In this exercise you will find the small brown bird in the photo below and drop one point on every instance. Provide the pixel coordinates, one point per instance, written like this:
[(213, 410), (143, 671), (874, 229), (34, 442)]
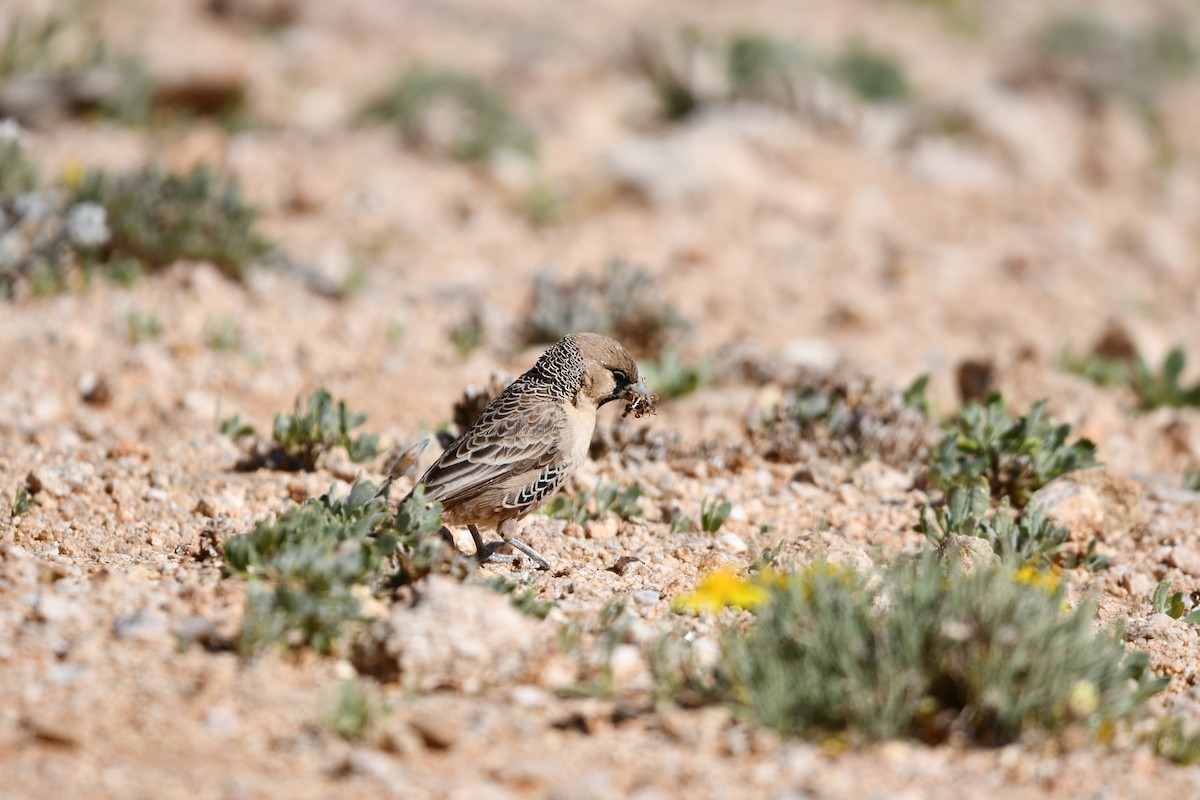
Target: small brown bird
[(531, 438)]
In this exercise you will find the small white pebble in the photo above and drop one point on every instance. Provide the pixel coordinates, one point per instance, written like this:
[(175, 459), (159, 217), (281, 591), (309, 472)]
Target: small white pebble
[(646, 597), (732, 543)]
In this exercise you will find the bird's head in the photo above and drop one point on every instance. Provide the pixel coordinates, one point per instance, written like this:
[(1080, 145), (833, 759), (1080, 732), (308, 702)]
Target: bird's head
[(609, 372)]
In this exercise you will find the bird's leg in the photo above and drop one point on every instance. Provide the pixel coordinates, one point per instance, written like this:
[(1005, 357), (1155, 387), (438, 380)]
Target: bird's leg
[(485, 552), (505, 529), (529, 551)]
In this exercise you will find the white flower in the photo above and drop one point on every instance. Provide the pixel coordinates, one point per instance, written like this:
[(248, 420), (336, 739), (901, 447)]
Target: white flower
[(31, 206), (87, 225), (10, 131)]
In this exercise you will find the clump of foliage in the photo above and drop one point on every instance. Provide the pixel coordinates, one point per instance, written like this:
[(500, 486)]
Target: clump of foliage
[(233, 427), (920, 653), (304, 568), (596, 504), (156, 219), (873, 76), (592, 645), (1191, 479), (354, 711), (1154, 389), (305, 434), (713, 514), (1164, 388), (467, 335), (17, 172), (914, 396), (766, 69), (43, 234), (690, 72), (54, 237), (22, 502), (1176, 741), (523, 598), (672, 377), (222, 335), (56, 45), (1027, 538), (448, 111), (67, 61), (1104, 371), (143, 326), (1100, 61), (670, 66), (1103, 63), (623, 302), (1017, 455), (840, 416), (1172, 604)]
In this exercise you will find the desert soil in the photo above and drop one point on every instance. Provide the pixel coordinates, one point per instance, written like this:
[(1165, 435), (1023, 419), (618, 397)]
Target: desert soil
[(872, 247)]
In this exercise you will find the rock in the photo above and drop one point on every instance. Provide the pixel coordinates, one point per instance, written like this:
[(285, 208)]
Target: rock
[(1033, 131), (976, 378), (394, 734), (557, 671), (1138, 584), (527, 696), (95, 389), (60, 480), (628, 669), (596, 784), (660, 172), (456, 636), (51, 729), (956, 167), (624, 564), (646, 597), (143, 624), (877, 479), (222, 721), (263, 13), (1185, 558), (1157, 628), (711, 153), (53, 609), (438, 729), (966, 553), (197, 629), (817, 355), (732, 543), (42, 100), (603, 528), (381, 768), (1092, 503)]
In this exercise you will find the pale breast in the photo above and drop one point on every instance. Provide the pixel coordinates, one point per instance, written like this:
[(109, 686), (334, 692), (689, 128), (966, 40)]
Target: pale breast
[(581, 423)]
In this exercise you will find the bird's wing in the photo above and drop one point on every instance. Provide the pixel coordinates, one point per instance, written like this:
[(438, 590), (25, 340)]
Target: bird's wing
[(509, 439)]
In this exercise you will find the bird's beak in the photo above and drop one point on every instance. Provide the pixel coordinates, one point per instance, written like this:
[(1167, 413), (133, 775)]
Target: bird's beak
[(639, 388)]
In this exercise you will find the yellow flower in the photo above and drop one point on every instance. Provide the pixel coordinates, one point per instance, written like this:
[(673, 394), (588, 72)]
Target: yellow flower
[(1084, 700), (717, 590), (1046, 580), (73, 173)]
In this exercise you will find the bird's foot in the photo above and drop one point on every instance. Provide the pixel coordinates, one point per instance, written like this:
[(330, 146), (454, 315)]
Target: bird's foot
[(534, 555), (486, 552)]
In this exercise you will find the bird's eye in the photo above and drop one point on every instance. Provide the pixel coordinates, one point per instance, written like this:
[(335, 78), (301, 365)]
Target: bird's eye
[(620, 376)]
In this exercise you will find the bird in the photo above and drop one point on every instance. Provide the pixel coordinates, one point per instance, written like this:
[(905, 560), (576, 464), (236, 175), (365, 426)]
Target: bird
[(531, 438)]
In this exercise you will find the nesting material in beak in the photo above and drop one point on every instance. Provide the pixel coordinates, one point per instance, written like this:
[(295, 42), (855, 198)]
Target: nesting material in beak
[(641, 400)]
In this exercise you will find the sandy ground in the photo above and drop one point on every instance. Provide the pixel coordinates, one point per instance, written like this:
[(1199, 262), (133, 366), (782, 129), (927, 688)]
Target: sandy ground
[(873, 247)]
